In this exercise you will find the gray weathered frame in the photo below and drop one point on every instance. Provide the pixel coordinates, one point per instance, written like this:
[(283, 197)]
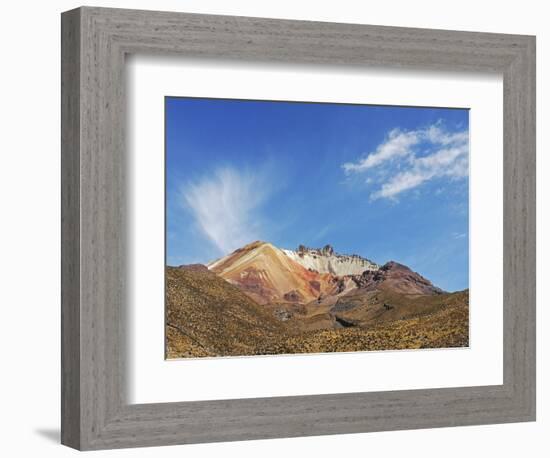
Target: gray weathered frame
[(95, 413)]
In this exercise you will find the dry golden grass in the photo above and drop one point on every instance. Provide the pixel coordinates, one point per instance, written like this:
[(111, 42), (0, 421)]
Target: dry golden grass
[(445, 328), (207, 316)]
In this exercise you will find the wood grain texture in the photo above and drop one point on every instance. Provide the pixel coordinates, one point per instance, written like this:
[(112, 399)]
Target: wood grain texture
[(70, 229), (95, 410)]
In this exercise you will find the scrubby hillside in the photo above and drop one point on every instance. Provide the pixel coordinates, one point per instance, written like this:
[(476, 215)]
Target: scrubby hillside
[(207, 316), (444, 328)]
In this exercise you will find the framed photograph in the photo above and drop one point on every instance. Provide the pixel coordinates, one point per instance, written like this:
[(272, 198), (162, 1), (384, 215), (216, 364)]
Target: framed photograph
[(335, 220), (286, 172)]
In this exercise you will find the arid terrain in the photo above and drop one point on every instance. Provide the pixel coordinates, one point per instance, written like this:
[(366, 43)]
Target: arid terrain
[(262, 300)]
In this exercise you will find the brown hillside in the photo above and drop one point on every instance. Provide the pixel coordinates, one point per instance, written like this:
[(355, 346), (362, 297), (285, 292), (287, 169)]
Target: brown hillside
[(397, 278), (207, 316), (446, 328)]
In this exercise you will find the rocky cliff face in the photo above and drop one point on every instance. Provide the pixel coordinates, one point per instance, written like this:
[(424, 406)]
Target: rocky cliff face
[(326, 261)]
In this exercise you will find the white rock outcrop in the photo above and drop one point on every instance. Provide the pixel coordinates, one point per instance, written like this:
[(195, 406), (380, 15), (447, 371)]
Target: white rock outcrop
[(325, 260)]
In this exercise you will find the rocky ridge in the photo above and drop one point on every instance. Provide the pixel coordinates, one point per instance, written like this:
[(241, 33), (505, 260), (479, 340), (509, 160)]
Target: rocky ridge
[(326, 260)]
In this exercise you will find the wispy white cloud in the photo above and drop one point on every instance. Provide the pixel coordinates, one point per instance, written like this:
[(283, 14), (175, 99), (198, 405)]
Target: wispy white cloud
[(451, 162), (226, 204), (397, 160), (397, 145)]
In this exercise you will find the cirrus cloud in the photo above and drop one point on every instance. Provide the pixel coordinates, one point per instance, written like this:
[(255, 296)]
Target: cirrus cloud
[(225, 205)]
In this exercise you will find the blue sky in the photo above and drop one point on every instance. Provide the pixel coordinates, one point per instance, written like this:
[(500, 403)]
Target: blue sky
[(387, 183)]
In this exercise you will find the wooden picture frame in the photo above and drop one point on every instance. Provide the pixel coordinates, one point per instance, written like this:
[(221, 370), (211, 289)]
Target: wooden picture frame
[(95, 410)]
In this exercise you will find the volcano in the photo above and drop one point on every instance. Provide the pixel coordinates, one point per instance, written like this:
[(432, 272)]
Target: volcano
[(270, 274)]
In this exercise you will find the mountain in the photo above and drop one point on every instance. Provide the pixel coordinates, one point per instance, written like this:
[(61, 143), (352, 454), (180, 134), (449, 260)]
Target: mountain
[(269, 274), (320, 289)]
